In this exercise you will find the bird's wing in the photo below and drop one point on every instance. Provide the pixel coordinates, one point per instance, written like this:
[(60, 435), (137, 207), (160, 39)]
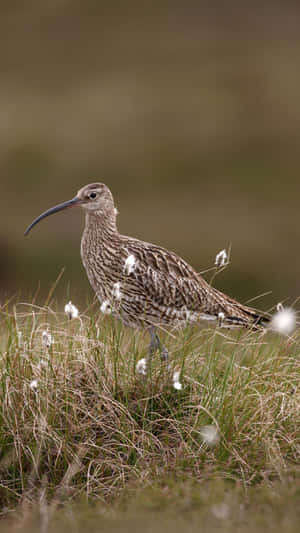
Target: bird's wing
[(166, 278)]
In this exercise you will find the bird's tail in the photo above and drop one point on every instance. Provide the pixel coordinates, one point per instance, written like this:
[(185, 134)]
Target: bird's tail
[(235, 314), (250, 319)]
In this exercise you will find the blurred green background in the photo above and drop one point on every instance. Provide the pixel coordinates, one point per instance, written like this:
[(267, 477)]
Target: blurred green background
[(190, 114)]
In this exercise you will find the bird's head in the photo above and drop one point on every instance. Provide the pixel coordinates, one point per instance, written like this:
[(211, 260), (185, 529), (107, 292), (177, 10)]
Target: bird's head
[(93, 198)]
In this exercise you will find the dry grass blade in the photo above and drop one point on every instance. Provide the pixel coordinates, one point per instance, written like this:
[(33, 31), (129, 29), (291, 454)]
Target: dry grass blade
[(93, 426)]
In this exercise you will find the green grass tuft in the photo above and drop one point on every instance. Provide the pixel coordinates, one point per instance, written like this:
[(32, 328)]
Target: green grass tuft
[(95, 429)]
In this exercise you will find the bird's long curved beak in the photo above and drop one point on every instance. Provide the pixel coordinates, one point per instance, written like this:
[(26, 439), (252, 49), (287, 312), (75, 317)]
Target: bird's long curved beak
[(70, 203)]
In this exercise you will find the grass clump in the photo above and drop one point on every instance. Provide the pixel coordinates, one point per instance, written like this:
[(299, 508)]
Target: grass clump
[(78, 423)]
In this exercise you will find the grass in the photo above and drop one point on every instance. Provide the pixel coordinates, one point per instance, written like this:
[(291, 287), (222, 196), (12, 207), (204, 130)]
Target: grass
[(96, 432)]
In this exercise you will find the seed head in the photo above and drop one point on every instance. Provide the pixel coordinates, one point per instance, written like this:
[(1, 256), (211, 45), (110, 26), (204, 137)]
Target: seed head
[(130, 265), (221, 318), (116, 292), (284, 320), (71, 311), (176, 383), (141, 367), (43, 363), (106, 307), (34, 385), (220, 510), (221, 259), (47, 339), (210, 435), (19, 335)]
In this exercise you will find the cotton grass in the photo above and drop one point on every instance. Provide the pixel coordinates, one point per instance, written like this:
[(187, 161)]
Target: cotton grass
[(101, 416), (284, 321)]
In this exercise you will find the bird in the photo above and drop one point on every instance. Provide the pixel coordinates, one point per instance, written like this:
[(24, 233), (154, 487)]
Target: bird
[(143, 284)]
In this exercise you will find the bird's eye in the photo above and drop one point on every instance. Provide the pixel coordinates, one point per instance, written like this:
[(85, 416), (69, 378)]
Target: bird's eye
[(93, 195)]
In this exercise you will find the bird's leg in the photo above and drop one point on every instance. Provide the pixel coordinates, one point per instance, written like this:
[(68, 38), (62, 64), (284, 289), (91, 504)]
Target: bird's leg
[(154, 341), (155, 344)]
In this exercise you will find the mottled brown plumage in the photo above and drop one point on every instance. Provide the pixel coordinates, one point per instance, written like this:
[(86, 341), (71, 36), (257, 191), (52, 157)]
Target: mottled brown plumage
[(141, 283)]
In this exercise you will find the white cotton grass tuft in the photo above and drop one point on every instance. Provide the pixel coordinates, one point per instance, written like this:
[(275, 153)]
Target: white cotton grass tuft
[(47, 339), (116, 291), (43, 363), (34, 385), (220, 510), (221, 259), (210, 435), (284, 321), (176, 383), (71, 311), (141, 366), (130, 265), (221, 318), (106, 307), (19, 335)]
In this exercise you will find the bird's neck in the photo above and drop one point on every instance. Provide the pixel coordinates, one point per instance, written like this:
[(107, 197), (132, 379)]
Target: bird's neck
[(103, 223)]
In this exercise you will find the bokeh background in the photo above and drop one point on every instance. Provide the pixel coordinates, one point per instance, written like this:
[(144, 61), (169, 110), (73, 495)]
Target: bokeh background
[(190, 113)]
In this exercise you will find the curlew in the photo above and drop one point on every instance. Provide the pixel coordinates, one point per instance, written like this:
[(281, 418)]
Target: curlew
[(144, 284)]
